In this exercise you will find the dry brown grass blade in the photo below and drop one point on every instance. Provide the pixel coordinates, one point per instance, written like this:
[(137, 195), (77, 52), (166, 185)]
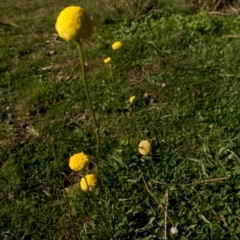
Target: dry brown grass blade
[(166, 216), (193, 183), (152, 195)]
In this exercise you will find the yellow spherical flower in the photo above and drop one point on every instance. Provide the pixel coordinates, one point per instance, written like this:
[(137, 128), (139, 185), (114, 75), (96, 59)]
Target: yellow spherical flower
[(74, 23), (116, 45), (107, 60), (89, 182), (144, 147), (79, 161), (132, 99)]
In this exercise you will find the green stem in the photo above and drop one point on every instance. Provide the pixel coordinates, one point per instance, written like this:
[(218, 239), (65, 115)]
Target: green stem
[(100, 210), (102, 213), (112, 78), (96, 126), (89, 99), (124, 69), (65, 193)]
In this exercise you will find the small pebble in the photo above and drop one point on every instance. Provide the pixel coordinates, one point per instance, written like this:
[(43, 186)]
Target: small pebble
[(174, 230)]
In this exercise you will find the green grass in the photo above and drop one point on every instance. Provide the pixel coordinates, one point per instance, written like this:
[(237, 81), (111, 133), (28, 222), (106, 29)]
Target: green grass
[(183, 70)]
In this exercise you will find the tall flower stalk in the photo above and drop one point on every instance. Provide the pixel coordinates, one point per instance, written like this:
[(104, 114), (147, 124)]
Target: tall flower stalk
[(89, 100), (74, 23), (65, 193), (117, 46), (107, 62)]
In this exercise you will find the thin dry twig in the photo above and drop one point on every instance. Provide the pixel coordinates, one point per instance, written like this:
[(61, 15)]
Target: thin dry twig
[(232, 36), (14, 25), (233, 9), (152, 195), (193, 183), (8, 24), (220, 13), (216, 6), (166, 216)]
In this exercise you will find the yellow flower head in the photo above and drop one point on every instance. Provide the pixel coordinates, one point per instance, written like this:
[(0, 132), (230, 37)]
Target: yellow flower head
[(144, 147), (89, 182), (116, 45), (132, 99), (74, 23), (79, 161), (107, 60)]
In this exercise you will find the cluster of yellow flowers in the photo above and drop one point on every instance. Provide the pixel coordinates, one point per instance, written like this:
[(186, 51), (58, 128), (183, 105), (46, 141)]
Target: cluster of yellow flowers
[(132, 99), (74, 23), (144, 147), (107, 60), (115, 46), (79, 162), (88, 183)]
